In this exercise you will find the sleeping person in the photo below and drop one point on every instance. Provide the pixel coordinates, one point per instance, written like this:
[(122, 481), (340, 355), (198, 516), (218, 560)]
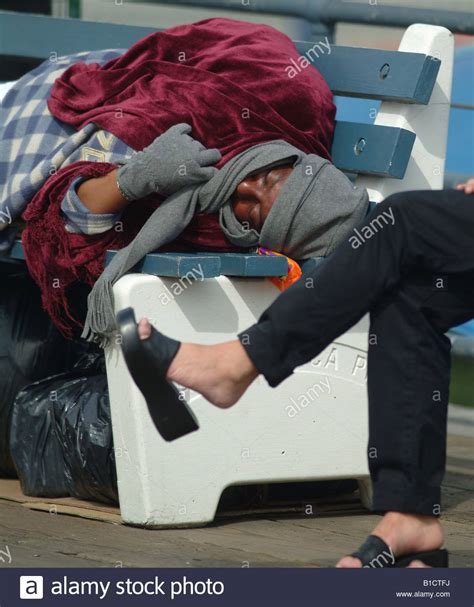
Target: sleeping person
[(144, 149), (252, 199)]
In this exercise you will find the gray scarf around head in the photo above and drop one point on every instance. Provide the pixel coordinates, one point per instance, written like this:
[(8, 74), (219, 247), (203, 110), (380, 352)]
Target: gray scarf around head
[(315, 210), (315, 207)]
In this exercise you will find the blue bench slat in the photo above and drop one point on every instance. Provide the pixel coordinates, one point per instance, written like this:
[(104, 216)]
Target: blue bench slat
[(177, 265), (376, 74), (252, 264), (372, 149), (206, 265), (211, 264)]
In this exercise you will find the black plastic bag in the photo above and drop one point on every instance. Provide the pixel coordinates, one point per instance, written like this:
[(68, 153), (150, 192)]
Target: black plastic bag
[(30, 346), (61, 435)]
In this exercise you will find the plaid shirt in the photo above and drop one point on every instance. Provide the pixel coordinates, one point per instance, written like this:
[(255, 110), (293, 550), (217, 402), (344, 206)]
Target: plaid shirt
[(34, 145), (79, 219)]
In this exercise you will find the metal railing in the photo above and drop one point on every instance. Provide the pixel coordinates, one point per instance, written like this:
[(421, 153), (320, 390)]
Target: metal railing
[(330, 12)]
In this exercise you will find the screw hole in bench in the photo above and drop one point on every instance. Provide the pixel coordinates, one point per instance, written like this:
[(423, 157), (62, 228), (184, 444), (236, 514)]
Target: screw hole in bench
[(359, 146), (384, 71)]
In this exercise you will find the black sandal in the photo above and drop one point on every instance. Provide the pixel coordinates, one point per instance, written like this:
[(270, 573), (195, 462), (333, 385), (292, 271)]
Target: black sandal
[(148, 361), (375, 553)]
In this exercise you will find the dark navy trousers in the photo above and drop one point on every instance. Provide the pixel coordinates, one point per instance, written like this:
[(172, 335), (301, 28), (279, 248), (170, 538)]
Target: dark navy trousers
[(410, 264)]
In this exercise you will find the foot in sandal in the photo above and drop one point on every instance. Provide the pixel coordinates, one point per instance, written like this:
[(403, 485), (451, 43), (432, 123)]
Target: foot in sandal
[(221, 373), (401, 540)]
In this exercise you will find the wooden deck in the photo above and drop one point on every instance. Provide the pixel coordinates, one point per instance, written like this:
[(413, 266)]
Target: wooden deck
[(270, 539)]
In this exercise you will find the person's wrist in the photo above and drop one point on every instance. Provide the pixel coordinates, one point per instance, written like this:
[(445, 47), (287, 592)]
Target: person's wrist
[(125, 180), (122, 193)]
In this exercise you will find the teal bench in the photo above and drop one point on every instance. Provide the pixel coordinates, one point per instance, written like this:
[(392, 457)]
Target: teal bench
[(179, 484), (355, 72)]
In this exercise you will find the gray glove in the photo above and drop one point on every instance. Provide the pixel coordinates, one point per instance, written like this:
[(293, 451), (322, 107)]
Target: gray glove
[(173, 161)]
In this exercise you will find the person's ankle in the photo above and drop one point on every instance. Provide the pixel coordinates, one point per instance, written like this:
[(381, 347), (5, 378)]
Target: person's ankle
[(394, 522), (221, 372), (183, 357), (243, 366)]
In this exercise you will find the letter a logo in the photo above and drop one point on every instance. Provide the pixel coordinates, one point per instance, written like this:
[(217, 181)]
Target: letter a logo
[(31, 587)]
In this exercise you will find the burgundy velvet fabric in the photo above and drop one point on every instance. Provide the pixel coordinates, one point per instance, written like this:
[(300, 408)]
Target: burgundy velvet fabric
[(226, 78)]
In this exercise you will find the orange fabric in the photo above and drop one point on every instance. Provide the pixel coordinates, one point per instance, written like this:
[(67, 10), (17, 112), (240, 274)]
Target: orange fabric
[(294, 270)]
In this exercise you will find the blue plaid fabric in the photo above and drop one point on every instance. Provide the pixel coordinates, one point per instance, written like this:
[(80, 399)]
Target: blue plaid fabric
[(79, 218), (34, 144)]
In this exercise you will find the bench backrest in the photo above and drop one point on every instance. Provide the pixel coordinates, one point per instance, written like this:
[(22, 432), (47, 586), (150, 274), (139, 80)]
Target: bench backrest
[(373, 150)]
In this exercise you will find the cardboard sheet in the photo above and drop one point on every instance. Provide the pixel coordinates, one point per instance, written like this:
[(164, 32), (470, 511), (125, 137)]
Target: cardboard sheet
[(249, 501), (10, 490)]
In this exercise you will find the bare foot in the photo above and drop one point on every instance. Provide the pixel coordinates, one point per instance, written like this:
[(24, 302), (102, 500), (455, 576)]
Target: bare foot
[(404, 533), (221, 373)]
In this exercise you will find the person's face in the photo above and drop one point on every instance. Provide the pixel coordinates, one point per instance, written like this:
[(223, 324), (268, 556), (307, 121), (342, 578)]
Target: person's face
[(254, 196)]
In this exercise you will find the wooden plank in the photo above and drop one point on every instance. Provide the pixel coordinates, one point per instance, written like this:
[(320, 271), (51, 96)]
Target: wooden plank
[(374, 73), (211, 264), (372, 149), (181, 265), (177, 265), (312, 537), (205, 265), (252, 265), (318, 532)]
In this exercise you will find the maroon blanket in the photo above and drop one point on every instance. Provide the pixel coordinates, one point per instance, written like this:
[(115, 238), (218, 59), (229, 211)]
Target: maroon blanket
[(226, 78)]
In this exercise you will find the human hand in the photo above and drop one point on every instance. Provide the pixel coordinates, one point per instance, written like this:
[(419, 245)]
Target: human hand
[(173, 161), (468, 187)]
